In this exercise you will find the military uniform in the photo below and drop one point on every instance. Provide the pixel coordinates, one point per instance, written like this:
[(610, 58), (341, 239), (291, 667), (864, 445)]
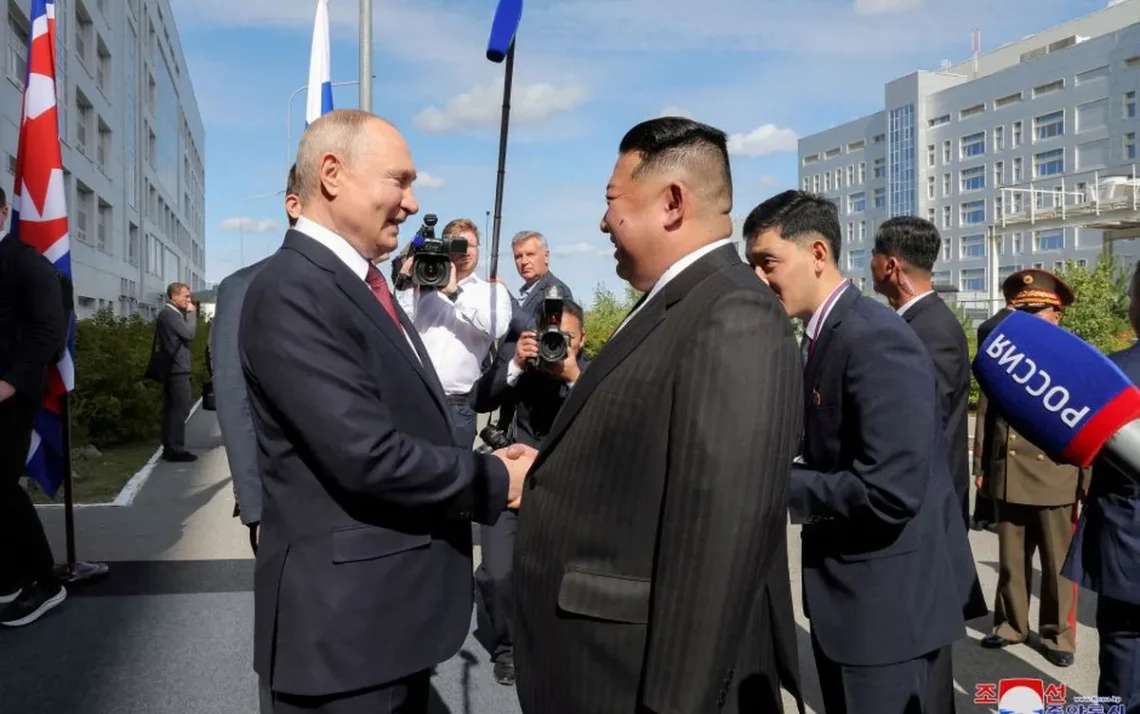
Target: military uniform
[(1035, 501)]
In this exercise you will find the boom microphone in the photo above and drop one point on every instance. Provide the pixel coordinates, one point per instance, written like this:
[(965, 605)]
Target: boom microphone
[(1060, 393), (503, 29)]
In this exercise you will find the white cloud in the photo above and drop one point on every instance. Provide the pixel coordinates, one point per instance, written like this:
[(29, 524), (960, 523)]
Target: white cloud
[(767, 181), (427, 180), (579, 248), (675, 111), (250, 225), (764, 139), (530, 103), (885, 7)]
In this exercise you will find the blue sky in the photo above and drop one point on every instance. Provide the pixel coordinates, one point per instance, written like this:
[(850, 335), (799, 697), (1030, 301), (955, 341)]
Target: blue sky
[(765, 71)]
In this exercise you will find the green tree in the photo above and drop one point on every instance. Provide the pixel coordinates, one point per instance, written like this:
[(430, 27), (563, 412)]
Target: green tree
[(971, 346), (605, 314), (1099, 315)]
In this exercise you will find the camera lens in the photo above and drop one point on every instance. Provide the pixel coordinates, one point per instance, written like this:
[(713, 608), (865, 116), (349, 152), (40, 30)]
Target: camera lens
[(552, 346)]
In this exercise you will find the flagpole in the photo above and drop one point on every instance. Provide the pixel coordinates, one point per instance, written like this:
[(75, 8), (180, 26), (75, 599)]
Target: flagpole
[(365, 54), (68, 497), (508, 79)]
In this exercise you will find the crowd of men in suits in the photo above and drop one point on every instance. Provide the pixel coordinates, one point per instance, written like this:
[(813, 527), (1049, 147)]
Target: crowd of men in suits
[(633, 533)]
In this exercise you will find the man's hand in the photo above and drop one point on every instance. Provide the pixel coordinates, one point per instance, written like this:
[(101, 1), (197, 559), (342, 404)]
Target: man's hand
[(979, 481), (518, 459), (525, 348), (406, 266), (452, 283), (6, 391), (190, 307)]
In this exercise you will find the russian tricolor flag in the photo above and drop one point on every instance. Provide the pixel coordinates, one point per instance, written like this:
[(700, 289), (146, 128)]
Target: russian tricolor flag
[(320, 73)]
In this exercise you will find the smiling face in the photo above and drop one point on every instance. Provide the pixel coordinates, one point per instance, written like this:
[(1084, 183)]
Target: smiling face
[(790, 267), (629, 222)]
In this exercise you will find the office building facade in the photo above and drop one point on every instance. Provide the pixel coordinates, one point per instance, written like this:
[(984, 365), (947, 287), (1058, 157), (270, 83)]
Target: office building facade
[(133, 148), (1022, 128)]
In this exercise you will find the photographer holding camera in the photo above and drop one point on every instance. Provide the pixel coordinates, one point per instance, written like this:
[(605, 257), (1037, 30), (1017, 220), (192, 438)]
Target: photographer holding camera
[(456, 313), (534, 380)]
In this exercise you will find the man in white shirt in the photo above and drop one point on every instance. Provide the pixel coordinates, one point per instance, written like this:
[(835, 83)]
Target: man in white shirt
[(458, 323)]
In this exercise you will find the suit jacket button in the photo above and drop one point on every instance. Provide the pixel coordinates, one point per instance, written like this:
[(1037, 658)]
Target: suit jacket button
[(1013, 437), (1012, 452), (1040, 457)]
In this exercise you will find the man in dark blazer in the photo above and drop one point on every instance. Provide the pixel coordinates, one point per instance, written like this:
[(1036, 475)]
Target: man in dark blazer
[(887, 567), (1105, 554), (234, 418), (176, 325), (534, 394), (33, 332), (902, 261), (363, 579), (653, 520)]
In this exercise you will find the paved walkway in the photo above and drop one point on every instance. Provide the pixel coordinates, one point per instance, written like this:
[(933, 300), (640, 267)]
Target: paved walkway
[(169, 631)]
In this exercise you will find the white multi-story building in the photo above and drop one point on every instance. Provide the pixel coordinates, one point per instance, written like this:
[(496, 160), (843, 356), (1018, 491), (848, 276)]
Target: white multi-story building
[(133, 147), (1035, 125)]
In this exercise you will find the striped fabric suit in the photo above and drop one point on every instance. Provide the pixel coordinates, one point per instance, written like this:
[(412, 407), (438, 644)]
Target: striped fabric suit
[(650, 566)]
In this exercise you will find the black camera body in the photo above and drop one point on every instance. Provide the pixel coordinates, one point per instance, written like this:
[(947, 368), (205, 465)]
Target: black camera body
[(493, 439), (432, 256), (553, 343)]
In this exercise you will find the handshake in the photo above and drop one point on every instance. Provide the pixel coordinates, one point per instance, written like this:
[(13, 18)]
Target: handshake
[(518, 458)]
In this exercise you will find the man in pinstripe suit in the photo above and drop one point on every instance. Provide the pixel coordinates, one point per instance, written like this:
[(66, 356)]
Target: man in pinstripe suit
[(650, 561)]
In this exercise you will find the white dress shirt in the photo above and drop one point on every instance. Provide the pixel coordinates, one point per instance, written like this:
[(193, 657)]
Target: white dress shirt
[(457, 334), (341, 248), (910, 303), (673, 271)]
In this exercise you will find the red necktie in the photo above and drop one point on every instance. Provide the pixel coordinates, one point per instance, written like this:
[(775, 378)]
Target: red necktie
[(379, 287)]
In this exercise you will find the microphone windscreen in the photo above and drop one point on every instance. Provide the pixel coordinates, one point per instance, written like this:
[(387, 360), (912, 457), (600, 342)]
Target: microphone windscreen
[(503, 28), (1054, 388)]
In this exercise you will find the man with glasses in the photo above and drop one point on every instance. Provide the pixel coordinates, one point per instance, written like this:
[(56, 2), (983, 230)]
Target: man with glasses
[(458, 323)]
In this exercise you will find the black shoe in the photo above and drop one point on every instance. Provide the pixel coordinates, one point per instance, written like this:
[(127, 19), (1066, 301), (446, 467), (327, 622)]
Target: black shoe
[(505, 670), (7, 595), (994, 641), (1058, 658), (178, 456), (33, 601)]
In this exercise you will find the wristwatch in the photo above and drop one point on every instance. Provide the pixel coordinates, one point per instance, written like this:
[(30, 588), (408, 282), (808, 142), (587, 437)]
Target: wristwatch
[(455, 295)]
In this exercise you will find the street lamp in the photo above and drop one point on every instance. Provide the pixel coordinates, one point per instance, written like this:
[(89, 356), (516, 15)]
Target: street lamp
[(241, 222), (289, 118)]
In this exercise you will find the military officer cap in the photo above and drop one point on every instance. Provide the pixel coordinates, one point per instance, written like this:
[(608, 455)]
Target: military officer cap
[(1035, 288)]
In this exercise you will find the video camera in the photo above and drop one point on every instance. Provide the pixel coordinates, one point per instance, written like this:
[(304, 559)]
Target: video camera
[(553, 343), (432, 256), (493, 439)]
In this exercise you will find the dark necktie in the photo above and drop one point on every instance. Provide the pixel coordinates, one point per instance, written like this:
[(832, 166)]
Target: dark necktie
[(379, 287), (805, 348)]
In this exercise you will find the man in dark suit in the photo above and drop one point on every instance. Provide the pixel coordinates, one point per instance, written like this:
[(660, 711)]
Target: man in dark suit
[(653, 520), (887, 568), (534, 394), (363, 579), (1105, 554), (902, 260), (33, 331), (176, 325), (232, 401)]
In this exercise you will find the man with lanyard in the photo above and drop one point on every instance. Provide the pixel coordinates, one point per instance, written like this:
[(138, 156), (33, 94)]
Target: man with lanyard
[(458, 323)]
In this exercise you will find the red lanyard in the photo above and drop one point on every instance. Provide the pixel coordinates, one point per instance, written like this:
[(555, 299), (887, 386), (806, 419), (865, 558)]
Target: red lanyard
[(823, 312)]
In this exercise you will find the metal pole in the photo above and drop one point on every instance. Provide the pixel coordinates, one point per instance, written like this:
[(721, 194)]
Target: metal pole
[(365, 54), (508, 78)]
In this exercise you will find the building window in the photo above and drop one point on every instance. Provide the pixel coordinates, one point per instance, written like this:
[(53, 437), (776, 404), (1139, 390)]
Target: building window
[(946, 216), (857, 260), (972, 280), (1007, 270), (1049, 163), (1130, 146), (941, 277), (806, 183), (862, 231), (1018, 244), (851, 175), (857, 202), (973, 246), (839, 178), (946, 185), (1016, 142), (1049, 126), (930, 187), (17, 48), (999, 173), (930, 155), (826, 181), (103, 228), (999, 138), (84, 198), (973, 179), (930, 214), (946, 152), (902, 158), (973, 212), (850, 234), (1130, 105), (1017, 175), (1052, 239), (862, 172), (880, 198), (947, 245), (880, 168), (815, 183), (973, 145)]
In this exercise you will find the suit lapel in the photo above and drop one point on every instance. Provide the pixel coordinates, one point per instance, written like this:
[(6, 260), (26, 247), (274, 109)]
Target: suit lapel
[(842, 305), (356, 290), (633, 335)]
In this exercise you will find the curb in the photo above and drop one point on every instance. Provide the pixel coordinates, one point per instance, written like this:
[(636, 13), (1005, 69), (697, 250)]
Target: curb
[(126, 495)]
